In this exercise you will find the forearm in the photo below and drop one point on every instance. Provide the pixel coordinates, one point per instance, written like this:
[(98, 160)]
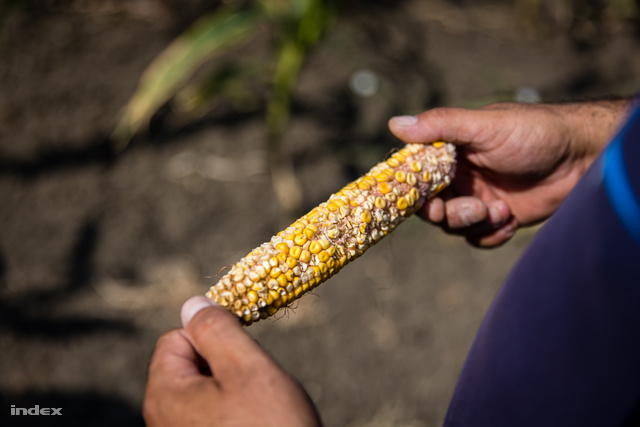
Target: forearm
[(593, 124)]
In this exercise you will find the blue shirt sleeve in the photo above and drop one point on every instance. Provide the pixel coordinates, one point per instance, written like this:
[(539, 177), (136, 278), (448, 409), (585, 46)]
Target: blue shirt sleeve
[(560, 344)]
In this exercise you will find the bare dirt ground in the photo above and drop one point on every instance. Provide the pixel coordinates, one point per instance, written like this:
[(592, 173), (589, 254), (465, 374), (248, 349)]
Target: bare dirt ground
[(98, 249)]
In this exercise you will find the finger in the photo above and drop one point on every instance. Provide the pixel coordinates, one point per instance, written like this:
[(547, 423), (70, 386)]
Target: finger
[(464, 212), (483, 224), (173, 376), (495, 238), (455, 125), (218, 337), (173, 357), (498, 213), (433, 210)]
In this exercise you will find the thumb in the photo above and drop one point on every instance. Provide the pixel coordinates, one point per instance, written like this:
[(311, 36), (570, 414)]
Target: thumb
[(218, 337), (455, 125)]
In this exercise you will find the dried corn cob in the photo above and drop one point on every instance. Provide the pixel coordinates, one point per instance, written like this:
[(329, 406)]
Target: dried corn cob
[(319, 244)]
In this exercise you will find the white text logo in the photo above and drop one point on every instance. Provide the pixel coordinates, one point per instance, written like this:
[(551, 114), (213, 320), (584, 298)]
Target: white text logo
[(36, 410)]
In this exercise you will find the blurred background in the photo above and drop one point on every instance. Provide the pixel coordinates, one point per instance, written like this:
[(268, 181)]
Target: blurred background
[(147, 144)]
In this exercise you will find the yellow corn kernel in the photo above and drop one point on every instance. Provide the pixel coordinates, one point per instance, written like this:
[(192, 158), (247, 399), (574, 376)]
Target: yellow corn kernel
[(282, 280), (402, 203), (309, 233), (332, 206), (289, 275), (262, 272), (410, 200), (382, 177), (415, 194), (405, 152), (274, 294), (252, 296), (323, 256), (291, 262), (300, 239), (315, 247), (399, 157), (275, 272), (282, 247), (411, 179), (384, 187), (305, 255), (295, 252), (363, 185), (415, 166)]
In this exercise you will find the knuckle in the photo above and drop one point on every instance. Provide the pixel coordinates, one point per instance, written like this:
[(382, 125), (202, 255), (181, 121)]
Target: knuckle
[(165, 338), (212, 321), (159, 355), (438, 114)]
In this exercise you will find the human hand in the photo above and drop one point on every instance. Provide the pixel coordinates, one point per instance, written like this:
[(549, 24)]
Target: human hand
[(516, 162), (212, 372)]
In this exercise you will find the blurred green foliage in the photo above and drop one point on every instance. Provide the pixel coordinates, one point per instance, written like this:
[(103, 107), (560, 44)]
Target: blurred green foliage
[(294, 25)]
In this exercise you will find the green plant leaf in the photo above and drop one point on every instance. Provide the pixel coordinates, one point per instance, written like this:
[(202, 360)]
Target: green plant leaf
[(312, 18), (235, 82), (207, 38)]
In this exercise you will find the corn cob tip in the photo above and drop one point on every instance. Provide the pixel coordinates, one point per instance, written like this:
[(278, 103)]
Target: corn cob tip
[(323, 241)]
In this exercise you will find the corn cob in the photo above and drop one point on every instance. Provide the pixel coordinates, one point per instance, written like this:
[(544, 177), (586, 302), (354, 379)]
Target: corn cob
[(319, 244)]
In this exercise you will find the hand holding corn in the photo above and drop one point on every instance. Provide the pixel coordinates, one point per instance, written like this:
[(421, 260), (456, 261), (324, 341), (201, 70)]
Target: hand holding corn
[(211, 372), (319, 244), (516, 162)]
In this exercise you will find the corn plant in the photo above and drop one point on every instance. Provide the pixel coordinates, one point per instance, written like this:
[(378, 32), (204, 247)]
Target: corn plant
[(297, 26)]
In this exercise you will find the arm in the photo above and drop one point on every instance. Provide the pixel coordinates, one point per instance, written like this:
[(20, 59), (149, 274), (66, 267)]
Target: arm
[(517, 162), (213, 373)]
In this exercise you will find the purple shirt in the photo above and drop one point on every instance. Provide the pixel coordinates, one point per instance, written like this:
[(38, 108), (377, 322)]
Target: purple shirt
[(560, 345)]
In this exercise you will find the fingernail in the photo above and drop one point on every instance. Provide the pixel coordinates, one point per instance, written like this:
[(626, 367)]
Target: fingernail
[(192, 306), (510, 229), (405, 120), (495, 216), (469, 216)]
